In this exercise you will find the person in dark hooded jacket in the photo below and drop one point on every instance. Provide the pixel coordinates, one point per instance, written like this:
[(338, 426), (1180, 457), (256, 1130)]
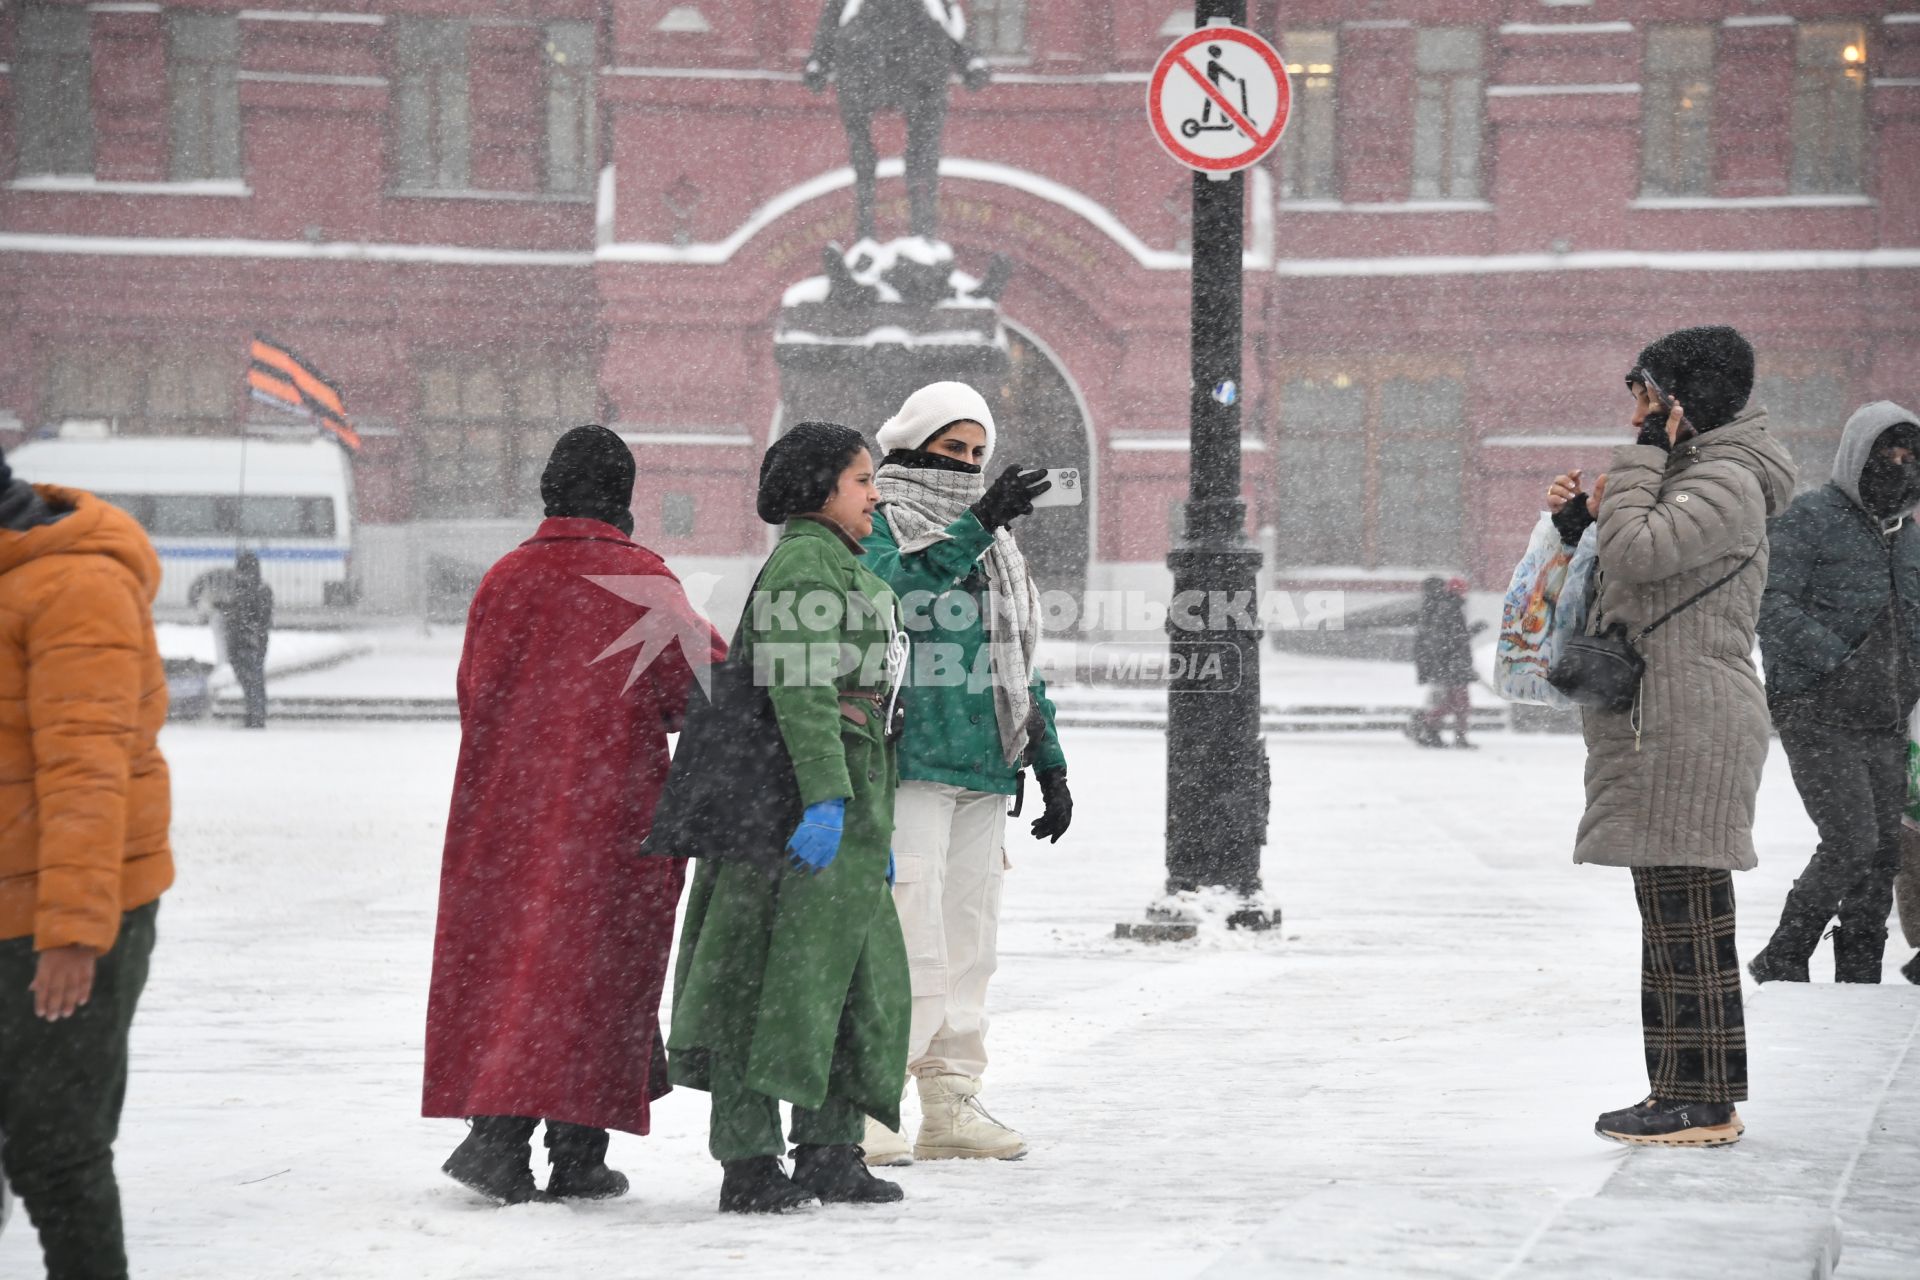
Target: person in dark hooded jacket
[(246, 617), (1840, 635), (1443, 658)]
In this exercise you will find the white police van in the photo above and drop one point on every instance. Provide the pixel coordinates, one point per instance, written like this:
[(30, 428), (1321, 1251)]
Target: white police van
[(290, 502)]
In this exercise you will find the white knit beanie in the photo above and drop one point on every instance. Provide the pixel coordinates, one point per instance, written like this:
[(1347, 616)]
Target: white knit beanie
[(936, 405)]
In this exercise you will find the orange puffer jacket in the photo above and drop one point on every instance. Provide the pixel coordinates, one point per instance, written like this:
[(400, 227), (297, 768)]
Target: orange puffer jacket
[(84, 796)]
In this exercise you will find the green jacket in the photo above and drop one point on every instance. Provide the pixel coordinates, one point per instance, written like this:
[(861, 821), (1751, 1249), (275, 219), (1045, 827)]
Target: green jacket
[(803, 977), (953, 729)]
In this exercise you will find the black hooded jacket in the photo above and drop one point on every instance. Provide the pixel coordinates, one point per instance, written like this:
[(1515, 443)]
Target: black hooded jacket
[(1442, 641), (1840, 621)]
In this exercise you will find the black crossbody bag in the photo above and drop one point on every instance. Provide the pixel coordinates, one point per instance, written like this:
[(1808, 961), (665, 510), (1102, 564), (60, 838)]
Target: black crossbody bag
[(1604, 671)]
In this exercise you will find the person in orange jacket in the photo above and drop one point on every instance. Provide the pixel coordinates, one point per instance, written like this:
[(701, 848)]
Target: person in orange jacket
[(84, 857)]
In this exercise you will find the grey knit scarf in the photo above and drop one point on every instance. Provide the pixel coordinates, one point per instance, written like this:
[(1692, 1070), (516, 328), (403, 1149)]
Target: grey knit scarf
[(919, 505)]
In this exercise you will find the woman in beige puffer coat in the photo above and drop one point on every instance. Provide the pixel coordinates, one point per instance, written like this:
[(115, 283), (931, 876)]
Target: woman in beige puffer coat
[(1671, 784)]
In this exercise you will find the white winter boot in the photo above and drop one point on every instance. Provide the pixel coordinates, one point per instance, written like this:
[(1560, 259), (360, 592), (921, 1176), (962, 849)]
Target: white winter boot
[(954, 1126), (883, 1147)]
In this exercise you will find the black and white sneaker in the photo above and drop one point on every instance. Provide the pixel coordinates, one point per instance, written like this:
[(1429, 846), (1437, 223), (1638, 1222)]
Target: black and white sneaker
[(1656, 1122)]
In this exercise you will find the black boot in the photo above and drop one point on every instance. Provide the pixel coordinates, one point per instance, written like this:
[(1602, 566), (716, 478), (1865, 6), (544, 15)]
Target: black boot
[(1794, 940), (1911, 969), (1857, 953), (1422, 733), (578, 1155), (760, 1185), (496, 1159), (1661, 1123), (839, 1175), (1768, 965)]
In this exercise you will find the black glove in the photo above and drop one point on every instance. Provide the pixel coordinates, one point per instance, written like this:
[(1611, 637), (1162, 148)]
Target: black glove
[(815, 76), (1653, 431), (1010, 497), (1572, 520), (1053, 823)]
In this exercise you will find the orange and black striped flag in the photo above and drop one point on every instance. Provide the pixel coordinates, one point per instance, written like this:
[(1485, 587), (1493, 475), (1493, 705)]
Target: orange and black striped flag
[(277, 376)]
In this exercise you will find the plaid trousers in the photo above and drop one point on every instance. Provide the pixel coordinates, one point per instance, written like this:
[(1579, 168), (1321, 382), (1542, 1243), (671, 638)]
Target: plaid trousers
[(1695, 1026)]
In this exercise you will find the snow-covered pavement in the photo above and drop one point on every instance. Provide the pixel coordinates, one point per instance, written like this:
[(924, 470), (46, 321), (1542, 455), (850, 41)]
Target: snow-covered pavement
[(1448, 1005)]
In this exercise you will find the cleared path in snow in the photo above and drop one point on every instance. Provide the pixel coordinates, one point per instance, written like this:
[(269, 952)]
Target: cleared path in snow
[(1449, 1004)]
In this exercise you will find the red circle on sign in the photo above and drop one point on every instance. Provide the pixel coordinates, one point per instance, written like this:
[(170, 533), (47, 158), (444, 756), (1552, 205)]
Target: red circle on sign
[(1175, 58)]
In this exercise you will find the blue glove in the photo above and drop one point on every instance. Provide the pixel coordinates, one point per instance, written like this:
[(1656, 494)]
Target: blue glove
[(889, 868), (815, 843)]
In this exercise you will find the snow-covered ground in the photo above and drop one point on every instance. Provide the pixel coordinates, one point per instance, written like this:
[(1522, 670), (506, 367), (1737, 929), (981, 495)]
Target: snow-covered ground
[(1448, 1005)]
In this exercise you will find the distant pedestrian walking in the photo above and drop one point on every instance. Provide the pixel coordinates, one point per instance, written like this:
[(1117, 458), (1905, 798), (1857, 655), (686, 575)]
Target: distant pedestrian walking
[(1672, 779), (1840, 634), (84, 853), (1443, 660), (245, 609)]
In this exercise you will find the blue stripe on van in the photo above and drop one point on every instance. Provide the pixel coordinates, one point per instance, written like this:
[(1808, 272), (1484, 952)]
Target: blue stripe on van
[(265, 553)]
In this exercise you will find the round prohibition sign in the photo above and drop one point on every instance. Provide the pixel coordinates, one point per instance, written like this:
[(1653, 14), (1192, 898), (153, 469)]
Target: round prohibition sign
[(1219, 99)]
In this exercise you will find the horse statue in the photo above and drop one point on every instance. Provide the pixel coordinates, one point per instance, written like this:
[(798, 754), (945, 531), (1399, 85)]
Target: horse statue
[(894, 55)]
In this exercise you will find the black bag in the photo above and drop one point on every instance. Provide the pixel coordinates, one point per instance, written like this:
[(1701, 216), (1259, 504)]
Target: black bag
[(1604, 671), (731, 794)]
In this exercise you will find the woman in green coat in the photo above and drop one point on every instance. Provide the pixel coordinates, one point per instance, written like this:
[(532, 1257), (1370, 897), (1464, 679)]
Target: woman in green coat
[(795, 987)]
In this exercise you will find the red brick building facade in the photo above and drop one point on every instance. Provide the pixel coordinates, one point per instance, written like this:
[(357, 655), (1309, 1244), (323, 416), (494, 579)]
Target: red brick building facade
[(487, 222)]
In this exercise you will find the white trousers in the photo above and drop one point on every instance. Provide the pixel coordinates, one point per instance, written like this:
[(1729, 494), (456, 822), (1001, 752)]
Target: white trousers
[(949, 863)]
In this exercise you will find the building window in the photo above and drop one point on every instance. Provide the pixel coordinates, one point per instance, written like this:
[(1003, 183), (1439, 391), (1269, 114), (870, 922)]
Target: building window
[(676, 515), (54, 82), (1807, 407), (1323, 472), (1307, 166), (203, 96), (572, 153), (998, 28), (431, 132), (137, 389), (1830, 109), (1676, 102), (1417, 508), (1449, 94), (1371, 475), (484, 431)]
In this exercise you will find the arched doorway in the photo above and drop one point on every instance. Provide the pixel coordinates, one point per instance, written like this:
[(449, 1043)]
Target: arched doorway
[(1043, 423)]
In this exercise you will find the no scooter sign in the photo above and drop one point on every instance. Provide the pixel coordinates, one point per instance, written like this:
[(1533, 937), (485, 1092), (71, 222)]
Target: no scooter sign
[(1219, 99)]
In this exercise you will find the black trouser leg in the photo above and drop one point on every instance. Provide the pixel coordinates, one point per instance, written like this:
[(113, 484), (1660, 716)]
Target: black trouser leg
[(575, 1144), (1862, 940), (252, 675), (1853, 784), (1690, 1005), (506, 1131), (61, 1089)]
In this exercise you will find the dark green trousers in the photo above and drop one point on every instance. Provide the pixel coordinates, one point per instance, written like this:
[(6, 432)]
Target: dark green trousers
[(746, 1123), (61, 1086)]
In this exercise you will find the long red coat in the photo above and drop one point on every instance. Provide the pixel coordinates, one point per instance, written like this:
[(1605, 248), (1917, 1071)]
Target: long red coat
[(553, 937)]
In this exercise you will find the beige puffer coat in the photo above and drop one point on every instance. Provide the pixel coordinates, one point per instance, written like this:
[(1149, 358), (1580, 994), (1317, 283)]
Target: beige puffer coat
[(1677, 790)]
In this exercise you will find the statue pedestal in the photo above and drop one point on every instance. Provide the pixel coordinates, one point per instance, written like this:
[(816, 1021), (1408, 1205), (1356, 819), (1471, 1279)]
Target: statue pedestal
[(884, 321)]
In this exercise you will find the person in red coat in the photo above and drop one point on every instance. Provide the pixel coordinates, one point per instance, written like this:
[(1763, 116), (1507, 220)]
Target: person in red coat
[(553, 936)]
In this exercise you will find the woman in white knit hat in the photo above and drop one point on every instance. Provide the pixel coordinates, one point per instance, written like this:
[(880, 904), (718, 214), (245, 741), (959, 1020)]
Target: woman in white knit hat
[(977, 718)]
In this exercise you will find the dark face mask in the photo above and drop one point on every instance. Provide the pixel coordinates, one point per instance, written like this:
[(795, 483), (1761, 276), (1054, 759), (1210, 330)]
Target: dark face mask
[(921, 460), (1888, 488)]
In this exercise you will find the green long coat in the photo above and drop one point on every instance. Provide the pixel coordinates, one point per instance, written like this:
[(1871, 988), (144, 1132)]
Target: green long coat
[(803, 977)]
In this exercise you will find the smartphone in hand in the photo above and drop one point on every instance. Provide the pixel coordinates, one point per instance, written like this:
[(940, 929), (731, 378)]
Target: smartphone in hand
[(1069, 488)]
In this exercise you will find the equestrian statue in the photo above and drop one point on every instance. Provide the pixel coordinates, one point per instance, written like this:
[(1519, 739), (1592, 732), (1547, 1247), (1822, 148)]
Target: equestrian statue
[(895, 55)]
